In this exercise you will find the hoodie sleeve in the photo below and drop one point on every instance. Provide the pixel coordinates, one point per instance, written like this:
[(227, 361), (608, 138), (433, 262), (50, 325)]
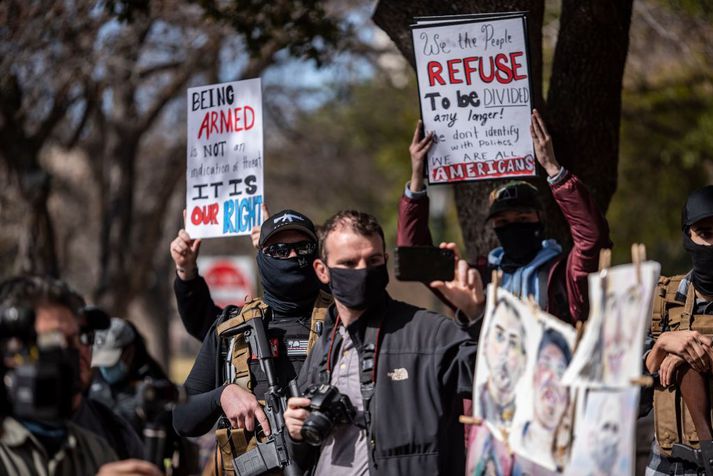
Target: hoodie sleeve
[(590, 234)]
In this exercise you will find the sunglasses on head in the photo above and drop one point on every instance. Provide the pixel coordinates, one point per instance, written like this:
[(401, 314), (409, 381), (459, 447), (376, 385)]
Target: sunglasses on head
[(282, 250)]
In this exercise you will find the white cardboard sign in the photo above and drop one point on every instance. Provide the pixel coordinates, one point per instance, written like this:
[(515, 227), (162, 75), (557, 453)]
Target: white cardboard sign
[(224, 176), (474, 87)]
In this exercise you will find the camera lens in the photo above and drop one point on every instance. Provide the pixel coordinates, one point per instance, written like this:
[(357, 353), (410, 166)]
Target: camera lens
[(316, 428)]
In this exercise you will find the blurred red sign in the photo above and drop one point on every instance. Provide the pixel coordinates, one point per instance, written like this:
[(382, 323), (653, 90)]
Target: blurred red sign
[(230, 278)]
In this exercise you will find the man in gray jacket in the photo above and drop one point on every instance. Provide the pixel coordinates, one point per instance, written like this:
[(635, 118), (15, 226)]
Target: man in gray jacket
[(404, 369)]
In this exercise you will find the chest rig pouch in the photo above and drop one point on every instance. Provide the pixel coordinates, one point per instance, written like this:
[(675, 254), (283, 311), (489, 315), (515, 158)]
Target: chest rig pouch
[(673, 311)]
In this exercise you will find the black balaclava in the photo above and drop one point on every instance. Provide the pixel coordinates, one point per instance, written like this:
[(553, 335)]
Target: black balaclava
[(702, 258), (290, 286), (699, 206), (520, 242), (358, 288)]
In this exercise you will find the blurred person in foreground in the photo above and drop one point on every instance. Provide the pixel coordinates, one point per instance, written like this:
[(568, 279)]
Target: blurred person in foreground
[(56, 446)]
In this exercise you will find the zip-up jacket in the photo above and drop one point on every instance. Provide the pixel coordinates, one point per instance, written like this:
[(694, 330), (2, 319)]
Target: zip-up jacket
[(425, 364)]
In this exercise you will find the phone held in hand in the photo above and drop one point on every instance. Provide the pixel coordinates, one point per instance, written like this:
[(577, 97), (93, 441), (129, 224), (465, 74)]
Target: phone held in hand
[(424, 264)]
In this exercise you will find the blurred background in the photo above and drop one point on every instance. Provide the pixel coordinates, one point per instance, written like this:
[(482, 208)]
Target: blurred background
[(93, 118)]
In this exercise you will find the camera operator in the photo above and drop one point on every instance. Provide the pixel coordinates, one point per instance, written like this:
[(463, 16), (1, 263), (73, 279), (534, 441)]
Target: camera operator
[(123, 363), (399, 371), (91, 414), (42, 440), (125, 368)]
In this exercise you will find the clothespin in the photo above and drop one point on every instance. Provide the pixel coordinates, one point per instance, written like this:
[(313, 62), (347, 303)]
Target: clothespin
[(604, 264), (604, 259), (470, 420), (638, 256), (495, 279), (506, 438), (579, 332), (534, 306), (643, 381)]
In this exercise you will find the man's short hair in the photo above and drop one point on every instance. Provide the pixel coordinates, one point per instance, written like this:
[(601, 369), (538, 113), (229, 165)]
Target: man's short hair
[(359, 222), (554, 337), (30, 292)]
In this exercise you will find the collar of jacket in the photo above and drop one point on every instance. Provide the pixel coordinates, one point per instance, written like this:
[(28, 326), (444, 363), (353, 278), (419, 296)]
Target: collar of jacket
[(374, 314)]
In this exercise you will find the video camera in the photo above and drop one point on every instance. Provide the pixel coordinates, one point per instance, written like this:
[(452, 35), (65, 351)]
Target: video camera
[(40, 373), (155, 400)]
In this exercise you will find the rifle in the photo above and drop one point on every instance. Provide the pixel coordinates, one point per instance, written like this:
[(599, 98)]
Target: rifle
[(273, 454), (702, 457)]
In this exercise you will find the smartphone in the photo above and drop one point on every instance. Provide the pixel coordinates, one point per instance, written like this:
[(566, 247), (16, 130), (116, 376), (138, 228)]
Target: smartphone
[(424, 264)]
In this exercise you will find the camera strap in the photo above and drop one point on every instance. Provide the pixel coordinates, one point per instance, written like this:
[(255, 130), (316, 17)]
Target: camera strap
[(368, 364)]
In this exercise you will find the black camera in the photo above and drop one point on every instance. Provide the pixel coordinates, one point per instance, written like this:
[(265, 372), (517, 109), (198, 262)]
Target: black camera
[(156, 397), (43, 374), (17, 322), (328, 407)]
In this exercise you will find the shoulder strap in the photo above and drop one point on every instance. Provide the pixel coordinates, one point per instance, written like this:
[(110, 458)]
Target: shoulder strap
[(688, 308), (239, 349), (665, 297), (319, 314), (250, 310)]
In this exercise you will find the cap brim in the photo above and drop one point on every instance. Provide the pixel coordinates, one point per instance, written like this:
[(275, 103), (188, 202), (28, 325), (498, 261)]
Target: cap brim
[(290, 226), (701, 216), (518, 208), (106, 357)]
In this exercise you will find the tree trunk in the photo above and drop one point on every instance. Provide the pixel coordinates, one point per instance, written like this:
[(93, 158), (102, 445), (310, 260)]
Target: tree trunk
[(114, 290), (394, 18), (37, 249), (584, 100)]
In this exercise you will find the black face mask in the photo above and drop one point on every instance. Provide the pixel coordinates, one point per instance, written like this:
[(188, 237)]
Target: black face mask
[(290, 286), (521, 242), (702, 257), (358, 288)]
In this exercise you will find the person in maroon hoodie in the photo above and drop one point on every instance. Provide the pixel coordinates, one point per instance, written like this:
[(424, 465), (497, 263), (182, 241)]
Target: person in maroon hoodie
[(531, 265)]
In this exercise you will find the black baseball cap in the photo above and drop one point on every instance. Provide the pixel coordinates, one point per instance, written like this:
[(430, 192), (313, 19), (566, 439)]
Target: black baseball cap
[(286, 220), (515, 195), (698, 206)]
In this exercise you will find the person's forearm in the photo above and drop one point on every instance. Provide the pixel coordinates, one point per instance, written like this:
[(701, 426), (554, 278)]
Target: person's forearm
[(198, 414), (417, 183), (655, 357)]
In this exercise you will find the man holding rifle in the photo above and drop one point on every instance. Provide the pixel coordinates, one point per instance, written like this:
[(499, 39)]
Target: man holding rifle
[(230, 373)]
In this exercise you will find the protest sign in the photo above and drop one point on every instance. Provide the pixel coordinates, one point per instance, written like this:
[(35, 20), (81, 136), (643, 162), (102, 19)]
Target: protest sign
[(474, 89), (224, 177)]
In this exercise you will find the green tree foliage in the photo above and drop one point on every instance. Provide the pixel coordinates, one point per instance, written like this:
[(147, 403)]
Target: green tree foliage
[(667, 128), (667, 151), (353, 153)]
